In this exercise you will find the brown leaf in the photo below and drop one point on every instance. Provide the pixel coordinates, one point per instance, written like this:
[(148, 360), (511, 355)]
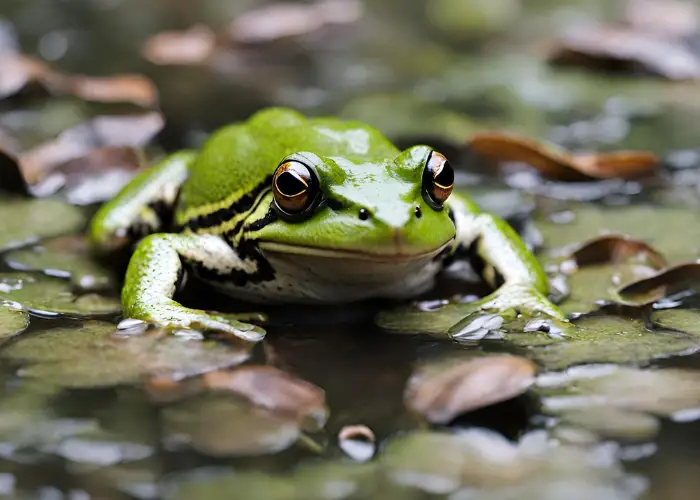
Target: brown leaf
[(627, 50), (275, 390), (358, 442), (558, 164), (192, 46), (674, 18), (283, 20), (104, 143), (135, 89), (444, 391), (670, 280), (17, 71), (614, 249)]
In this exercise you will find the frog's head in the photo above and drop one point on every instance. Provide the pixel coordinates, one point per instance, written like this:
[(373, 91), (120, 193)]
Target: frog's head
[(387, 210)]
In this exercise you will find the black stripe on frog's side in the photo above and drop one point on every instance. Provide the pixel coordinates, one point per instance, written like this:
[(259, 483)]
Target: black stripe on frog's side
[(243, 204), (246, 249)]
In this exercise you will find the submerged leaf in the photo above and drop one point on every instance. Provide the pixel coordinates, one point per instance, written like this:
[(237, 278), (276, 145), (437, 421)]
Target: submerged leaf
[(53, 296), (27, 221), (275, 390), (64, 257), (95, 355), (12, 321), (558, 164), (613, 249), (443, 391), (222, 426)]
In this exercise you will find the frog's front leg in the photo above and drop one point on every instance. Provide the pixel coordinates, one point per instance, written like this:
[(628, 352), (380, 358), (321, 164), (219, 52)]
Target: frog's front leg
[(153, 275), (522, 285), (141, 207)]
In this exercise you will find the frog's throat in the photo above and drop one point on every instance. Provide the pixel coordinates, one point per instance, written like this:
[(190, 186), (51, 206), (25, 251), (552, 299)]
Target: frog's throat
[(389, 256)]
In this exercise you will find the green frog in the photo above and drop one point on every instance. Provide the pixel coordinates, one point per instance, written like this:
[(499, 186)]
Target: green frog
[(287, 209)]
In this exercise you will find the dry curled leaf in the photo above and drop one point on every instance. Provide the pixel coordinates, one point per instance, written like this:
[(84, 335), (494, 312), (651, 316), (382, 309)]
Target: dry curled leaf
[(17, 71), (192, 46), (653, 288), (357, 441), (275, 390), (612, 249), (444, 391), (558, 164), (628, 50)]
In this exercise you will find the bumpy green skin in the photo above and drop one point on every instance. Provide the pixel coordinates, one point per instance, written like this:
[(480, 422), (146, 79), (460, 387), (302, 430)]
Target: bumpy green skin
[(357, 167)]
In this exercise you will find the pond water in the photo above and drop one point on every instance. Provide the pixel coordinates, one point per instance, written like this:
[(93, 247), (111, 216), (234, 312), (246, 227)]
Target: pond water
[(89, 413)]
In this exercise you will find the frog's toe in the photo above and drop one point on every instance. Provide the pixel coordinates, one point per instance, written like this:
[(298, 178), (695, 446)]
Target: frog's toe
[(229, 325)]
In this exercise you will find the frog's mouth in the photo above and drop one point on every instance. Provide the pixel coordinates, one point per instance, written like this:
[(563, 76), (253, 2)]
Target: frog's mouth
[(400, 255)]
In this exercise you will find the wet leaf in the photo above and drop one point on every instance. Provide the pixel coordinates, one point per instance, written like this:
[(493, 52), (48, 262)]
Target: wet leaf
[(222, 426), (614, 249), (64, 257), (479, 463), (558, 164), (662, 392), (275, 390), (27, 221), (18, 71), (12, 321), (443, 391), (613, 423), (652, 288), (192, 46), (684, 320), (603, 339), (629, 51), (283, 20), (95, 355), (53, 296)]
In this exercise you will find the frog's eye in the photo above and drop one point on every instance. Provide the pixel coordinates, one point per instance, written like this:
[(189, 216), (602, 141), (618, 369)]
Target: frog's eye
[(438, 180), (295, 188)]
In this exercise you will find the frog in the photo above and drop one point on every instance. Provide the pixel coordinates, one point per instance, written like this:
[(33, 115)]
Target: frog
[(286, 209)]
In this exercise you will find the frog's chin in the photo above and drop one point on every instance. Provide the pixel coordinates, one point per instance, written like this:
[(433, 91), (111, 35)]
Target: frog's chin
[(392, 255)]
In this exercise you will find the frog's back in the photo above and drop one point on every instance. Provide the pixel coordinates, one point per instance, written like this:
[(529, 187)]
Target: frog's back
[(237, 162)]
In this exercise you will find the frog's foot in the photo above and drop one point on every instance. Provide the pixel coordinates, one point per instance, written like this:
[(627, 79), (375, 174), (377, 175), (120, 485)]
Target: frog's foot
[(514, 301), (173, 317)]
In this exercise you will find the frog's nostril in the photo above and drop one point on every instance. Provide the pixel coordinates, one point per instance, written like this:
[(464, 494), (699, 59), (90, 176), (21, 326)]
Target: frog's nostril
[(364, 214), (419, 213)]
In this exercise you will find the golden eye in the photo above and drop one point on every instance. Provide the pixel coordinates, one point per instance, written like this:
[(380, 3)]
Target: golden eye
[(294, 187), (438, 180)]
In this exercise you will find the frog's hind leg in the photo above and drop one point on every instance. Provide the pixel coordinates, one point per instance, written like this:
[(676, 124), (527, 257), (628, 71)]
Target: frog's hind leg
[(153, 274), (143, 207)]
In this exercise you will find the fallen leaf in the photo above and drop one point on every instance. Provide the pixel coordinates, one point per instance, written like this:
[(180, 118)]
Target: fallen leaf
[(673, 18), (17, 71), (628, 50), (27, 221), (614, 249), (189, 47), (442, 392), (221, 426), (97, 355), (12, 321), (275, 390), (68, 257), (558, 164), (651, 289), (283, 20), (102, 145)]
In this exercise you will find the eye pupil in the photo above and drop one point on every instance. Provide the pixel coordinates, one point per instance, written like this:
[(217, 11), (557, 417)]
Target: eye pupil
[(290, 184)]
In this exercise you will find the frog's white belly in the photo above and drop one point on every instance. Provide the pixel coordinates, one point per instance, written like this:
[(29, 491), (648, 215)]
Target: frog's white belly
[(313, 279)]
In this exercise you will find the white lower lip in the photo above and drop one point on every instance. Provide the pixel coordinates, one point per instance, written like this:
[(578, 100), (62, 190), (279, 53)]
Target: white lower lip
[(284, 248)]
